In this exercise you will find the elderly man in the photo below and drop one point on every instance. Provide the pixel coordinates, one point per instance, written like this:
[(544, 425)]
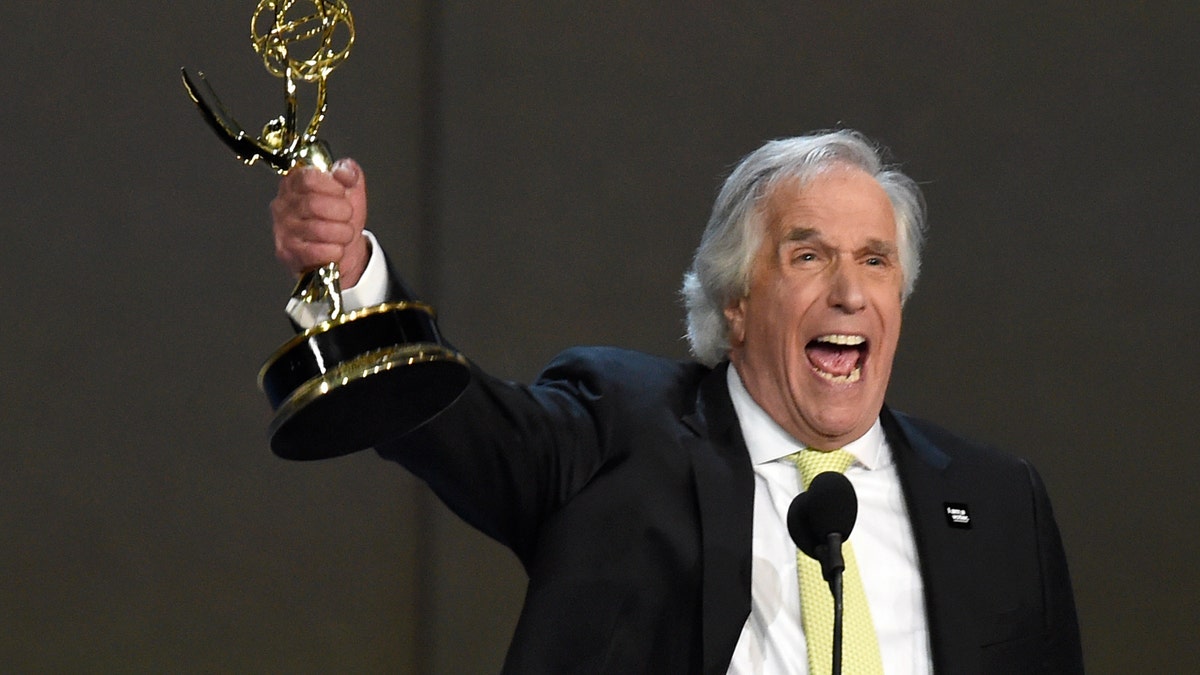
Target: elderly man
[(647, 498)]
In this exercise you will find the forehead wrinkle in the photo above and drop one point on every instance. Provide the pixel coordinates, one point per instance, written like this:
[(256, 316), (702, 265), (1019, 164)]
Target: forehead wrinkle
[(788, 208)]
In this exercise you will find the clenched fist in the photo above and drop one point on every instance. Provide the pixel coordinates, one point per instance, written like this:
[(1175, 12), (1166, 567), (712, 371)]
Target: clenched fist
[(318, 218)]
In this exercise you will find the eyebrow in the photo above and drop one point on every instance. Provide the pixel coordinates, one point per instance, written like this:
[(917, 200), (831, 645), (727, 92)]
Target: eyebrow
[(802, 234), (878, 247)]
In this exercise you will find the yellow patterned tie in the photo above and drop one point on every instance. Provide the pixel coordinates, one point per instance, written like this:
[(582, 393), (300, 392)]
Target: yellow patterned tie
[(860, 649)]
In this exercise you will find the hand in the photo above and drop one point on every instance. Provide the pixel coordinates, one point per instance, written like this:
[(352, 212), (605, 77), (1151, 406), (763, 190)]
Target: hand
[(318, 218)]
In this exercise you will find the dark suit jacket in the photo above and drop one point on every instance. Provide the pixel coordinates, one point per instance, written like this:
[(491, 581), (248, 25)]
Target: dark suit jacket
[(622, 483)]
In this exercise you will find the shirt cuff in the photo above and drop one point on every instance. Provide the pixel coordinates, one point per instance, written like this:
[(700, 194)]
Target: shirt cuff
[(371, 289)]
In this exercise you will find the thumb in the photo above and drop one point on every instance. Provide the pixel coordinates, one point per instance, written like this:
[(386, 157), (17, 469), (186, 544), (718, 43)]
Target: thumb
[(347, 172)]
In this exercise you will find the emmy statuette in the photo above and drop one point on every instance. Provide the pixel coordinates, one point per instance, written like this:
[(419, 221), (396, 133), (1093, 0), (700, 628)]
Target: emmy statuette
[(361, 376)]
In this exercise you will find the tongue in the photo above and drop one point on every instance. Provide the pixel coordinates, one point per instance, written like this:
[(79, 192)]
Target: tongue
[(833, 359)]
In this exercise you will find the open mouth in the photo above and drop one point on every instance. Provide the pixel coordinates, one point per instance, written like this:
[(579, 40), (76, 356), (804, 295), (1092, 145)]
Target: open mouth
[(837, 358)]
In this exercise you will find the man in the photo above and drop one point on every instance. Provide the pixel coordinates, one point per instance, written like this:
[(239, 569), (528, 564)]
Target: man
[(647, 498)]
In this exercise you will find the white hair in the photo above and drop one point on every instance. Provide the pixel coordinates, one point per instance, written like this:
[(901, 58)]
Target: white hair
[(720, 272)]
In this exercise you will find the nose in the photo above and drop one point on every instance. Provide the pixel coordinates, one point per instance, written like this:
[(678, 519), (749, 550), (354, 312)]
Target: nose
[(845, 287)]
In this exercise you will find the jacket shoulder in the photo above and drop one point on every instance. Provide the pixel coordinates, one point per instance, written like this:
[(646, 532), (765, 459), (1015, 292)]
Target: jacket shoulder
[(624, 376), (938, 445)]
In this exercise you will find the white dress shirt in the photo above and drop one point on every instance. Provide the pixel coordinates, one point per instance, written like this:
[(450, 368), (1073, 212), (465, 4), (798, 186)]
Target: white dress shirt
[(772, 641), (371, 289)]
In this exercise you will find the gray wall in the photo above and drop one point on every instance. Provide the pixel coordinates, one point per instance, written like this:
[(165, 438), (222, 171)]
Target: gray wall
[(544, 183)]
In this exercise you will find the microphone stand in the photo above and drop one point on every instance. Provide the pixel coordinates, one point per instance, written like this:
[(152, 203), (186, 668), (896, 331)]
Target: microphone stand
[(832, 565)]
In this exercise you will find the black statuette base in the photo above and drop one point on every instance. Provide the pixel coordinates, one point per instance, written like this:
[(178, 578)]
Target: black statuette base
[(354, 382)]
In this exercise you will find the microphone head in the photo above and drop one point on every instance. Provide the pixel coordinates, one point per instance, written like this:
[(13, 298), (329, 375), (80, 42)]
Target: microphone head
[(829, 505)]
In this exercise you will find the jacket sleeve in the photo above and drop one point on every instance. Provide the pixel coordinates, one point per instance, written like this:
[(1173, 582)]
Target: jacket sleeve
[(506, 456)]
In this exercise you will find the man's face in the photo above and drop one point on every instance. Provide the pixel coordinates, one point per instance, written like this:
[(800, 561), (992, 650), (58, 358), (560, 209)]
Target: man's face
[(814, 338)]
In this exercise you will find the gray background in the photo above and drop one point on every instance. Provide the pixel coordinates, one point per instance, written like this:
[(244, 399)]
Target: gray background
[(542, 172)]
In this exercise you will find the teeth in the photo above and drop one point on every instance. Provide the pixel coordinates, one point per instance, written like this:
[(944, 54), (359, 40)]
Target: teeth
[(854, 376), (849, 340)]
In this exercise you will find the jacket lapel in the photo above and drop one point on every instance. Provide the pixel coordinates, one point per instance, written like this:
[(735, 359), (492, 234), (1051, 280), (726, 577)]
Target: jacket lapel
[(724, 483), (925, 473)]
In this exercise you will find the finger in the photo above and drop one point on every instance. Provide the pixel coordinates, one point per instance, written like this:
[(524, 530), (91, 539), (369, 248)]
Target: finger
[(301, 256), (325, 207), (356, 196), (310, 180), (346, 172), (286, 209), (320, 232)]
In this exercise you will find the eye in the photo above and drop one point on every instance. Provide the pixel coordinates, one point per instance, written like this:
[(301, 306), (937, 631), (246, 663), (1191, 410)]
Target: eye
[(882, 260)]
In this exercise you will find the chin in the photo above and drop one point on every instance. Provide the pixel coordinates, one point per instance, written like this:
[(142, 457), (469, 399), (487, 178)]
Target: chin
[(845, 425)]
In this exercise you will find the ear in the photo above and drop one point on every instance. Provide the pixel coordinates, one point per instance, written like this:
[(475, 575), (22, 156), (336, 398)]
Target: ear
[(735, 316)]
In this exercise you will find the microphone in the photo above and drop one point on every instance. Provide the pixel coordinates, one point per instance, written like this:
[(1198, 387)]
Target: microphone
[(819, 520)]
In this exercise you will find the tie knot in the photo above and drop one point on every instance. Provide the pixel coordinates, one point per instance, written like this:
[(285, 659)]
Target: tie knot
[(813, 462)]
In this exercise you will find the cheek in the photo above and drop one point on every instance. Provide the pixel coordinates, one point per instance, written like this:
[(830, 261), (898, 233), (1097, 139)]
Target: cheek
[(891, 322), (776, 334), (773, 314)]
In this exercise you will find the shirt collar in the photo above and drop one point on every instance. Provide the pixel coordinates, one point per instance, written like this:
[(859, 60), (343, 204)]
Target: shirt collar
[(767, 441)]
